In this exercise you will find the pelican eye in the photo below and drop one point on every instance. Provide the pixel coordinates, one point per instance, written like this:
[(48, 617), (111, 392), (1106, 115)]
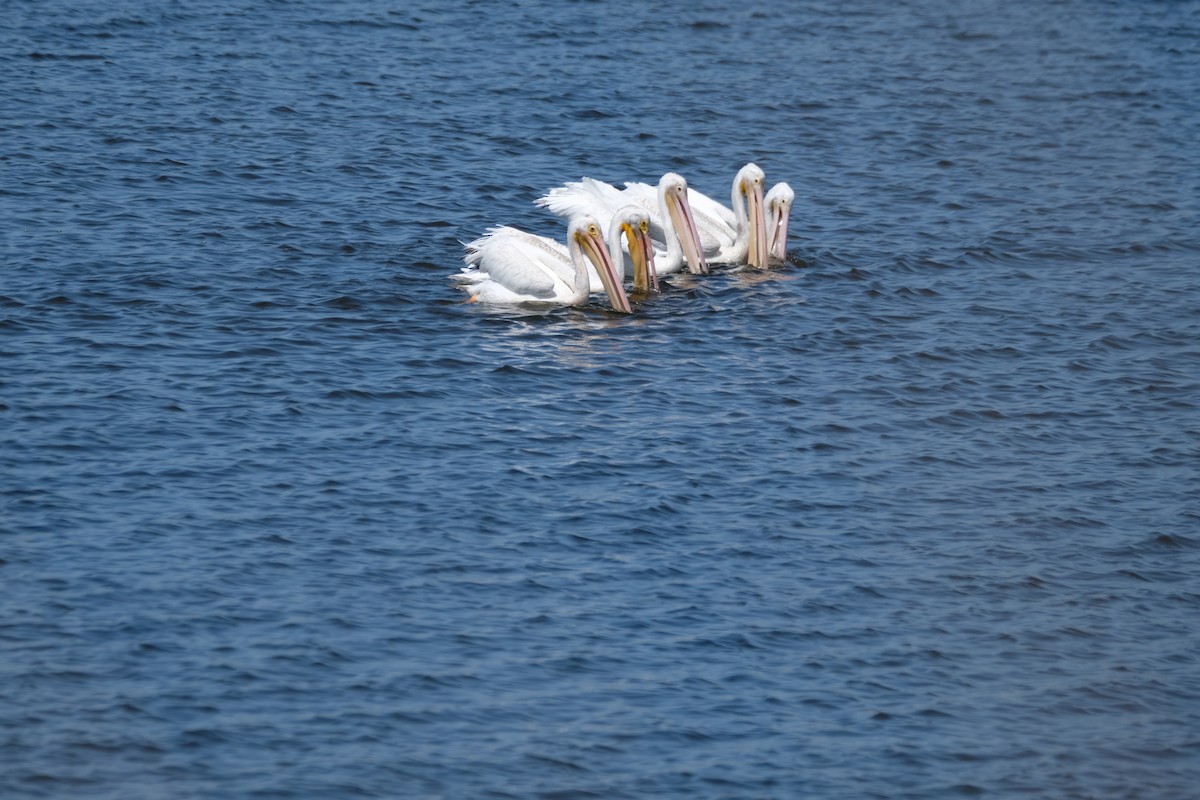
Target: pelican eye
[(592, 230), (644, 226)]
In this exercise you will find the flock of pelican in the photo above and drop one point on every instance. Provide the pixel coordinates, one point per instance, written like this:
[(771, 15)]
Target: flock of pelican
[(636, 233)]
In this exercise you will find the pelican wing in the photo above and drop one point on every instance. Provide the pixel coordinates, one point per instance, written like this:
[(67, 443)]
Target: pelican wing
[(714, 233), (526, 264), (704, 205), (587, 196)]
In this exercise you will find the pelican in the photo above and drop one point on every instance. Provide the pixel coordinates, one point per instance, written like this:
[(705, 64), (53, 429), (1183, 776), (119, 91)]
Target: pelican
[(508, 265), (676, 239), (779, 208), (630, 225), (634, 223), (735, 235)]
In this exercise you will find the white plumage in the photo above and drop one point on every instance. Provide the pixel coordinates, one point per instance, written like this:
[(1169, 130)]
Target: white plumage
[(779, 208), (676, 240), (508, 265), (734, 234)]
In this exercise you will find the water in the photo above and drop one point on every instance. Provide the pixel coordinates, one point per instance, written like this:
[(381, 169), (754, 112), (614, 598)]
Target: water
[(914, 516)]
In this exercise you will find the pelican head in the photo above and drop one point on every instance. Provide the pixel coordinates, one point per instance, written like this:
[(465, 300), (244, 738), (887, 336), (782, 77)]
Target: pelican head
[(779, 208), (748, 187), (634, 223), (584, 236), (673, 197)]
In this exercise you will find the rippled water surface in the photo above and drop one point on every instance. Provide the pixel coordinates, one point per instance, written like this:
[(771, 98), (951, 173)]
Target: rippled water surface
[(916, 515)]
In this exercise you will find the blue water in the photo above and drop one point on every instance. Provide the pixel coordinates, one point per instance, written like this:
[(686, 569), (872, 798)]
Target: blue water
[(916, 515)]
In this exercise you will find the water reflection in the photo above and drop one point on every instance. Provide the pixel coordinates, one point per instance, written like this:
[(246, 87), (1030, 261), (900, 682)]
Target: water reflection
[(575, 337)]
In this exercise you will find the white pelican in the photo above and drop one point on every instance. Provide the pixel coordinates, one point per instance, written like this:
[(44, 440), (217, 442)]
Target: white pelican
[(779, 208), (676, 239), (634, 223), (507, 265), (630, 226), (735, 235)]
